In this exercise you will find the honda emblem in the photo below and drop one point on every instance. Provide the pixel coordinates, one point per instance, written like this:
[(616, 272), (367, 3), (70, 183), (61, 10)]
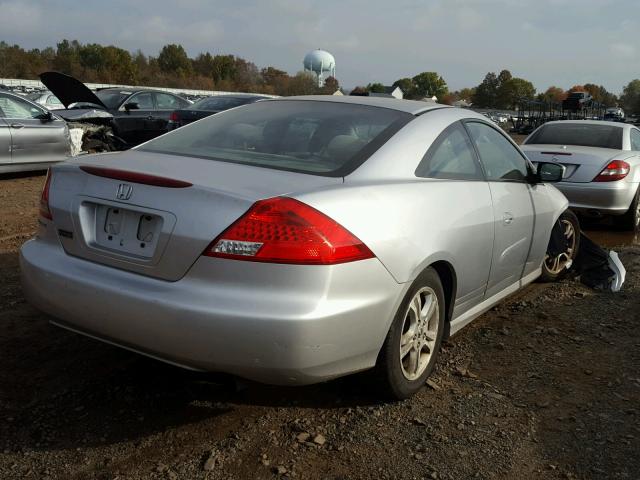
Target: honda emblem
[(124, 191)]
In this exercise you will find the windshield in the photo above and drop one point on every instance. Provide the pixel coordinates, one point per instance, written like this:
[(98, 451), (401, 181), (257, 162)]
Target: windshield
[(579, 134), (220, 103), (320, 138), (111, 99)]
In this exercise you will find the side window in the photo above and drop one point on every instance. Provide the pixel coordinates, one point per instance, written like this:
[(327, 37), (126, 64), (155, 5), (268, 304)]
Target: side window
[(144, 100), (502, 161), (18, 108), (53, 100), (165, 101), (635, 140), (450, 156)]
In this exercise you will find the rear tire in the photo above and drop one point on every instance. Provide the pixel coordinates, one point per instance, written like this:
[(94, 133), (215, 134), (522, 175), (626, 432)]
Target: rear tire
[(631, 219), (411, 348), (556, 266)]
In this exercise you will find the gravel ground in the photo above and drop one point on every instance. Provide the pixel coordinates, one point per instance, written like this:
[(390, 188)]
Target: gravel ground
[(547, 385)]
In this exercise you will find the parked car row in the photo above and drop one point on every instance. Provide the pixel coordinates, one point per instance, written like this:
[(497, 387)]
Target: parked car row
[(110, 119)]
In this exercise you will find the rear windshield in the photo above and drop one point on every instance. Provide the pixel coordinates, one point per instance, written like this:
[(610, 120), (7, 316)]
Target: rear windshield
[(320, 138), (586, 135)]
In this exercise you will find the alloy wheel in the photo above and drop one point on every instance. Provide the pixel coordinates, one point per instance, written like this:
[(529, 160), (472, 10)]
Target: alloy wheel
[(419, 333)]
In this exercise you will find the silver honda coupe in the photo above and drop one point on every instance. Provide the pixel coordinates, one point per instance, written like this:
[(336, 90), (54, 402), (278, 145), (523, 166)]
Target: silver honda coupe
[(296, 240)]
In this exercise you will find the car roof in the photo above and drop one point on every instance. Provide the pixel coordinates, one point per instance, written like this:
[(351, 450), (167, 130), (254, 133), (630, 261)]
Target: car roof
[(133, 90), (236, 96), (12, 94), (413, 107), (588, 122)]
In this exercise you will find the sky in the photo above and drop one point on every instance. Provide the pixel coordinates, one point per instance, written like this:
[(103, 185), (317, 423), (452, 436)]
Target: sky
[(549, 42)]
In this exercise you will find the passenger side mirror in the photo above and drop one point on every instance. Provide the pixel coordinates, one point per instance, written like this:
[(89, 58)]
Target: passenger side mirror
[(131, 106), (550, 172), (46, 117)]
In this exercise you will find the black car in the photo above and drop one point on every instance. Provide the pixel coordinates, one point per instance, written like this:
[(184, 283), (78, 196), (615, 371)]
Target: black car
[(135, 115), (210, 105)]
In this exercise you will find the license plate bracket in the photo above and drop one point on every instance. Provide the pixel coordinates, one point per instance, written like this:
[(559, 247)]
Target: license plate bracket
[(127, 231)]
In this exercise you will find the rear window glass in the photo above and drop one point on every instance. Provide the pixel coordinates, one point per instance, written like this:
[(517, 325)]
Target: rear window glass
[(586, 135), (320, 138), (219, 103)]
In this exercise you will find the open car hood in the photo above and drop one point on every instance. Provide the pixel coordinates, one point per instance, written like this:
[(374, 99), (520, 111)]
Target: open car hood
[(69, 89)]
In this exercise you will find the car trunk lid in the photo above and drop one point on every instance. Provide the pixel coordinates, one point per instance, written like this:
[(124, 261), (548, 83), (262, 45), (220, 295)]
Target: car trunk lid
[(155, 214), (582, 164)]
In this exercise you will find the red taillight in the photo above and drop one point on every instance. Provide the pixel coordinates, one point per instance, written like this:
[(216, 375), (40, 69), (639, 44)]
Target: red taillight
[(45, 211), (174, 117), (616, 170), (135, 177), (284, 230)]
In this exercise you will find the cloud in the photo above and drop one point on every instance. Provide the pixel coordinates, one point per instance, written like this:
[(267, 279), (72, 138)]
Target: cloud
[(549, 42), (158, 30), (623, 50), (20, 18), (469, 18)]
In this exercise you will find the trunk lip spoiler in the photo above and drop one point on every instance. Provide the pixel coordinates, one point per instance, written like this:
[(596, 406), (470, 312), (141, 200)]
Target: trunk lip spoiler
[(134, 177)]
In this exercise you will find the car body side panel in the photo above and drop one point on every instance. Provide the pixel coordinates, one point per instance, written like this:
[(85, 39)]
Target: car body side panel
[(413, 224), (39, 141), (5, 143)]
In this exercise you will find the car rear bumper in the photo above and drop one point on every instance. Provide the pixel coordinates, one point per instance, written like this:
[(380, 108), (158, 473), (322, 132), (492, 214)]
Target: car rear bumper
[(286, 324), (613, 198)]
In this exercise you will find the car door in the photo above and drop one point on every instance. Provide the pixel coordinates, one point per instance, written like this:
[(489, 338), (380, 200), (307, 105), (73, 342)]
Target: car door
[(506, 170), (35, 138), (453, 159), (135, 124), (166, 103)]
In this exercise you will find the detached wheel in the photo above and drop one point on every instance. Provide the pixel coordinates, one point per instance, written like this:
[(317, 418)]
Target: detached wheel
[(413, 342), (631, 219), (563, 247)]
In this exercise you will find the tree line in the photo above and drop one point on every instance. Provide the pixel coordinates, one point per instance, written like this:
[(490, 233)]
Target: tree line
[(95, 63), (504, 91)]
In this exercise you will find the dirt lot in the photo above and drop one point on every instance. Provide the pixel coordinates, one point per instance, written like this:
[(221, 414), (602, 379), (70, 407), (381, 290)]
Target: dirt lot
[(545, 386)]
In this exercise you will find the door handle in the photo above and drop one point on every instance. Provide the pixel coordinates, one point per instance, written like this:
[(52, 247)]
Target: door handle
[(507, 218), (17, 125)]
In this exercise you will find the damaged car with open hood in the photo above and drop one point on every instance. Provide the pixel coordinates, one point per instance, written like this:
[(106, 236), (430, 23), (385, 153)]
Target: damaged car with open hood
[(112, 118)]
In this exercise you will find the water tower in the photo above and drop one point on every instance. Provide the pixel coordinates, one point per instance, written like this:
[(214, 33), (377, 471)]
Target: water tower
[(321, 63)]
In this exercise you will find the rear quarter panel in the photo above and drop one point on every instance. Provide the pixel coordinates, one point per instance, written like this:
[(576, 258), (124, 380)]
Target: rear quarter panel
[(410, 225)]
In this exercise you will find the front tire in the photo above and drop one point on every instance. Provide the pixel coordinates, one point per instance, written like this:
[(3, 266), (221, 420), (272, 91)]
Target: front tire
[(557, 261), (411, 348), (631, 219)]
